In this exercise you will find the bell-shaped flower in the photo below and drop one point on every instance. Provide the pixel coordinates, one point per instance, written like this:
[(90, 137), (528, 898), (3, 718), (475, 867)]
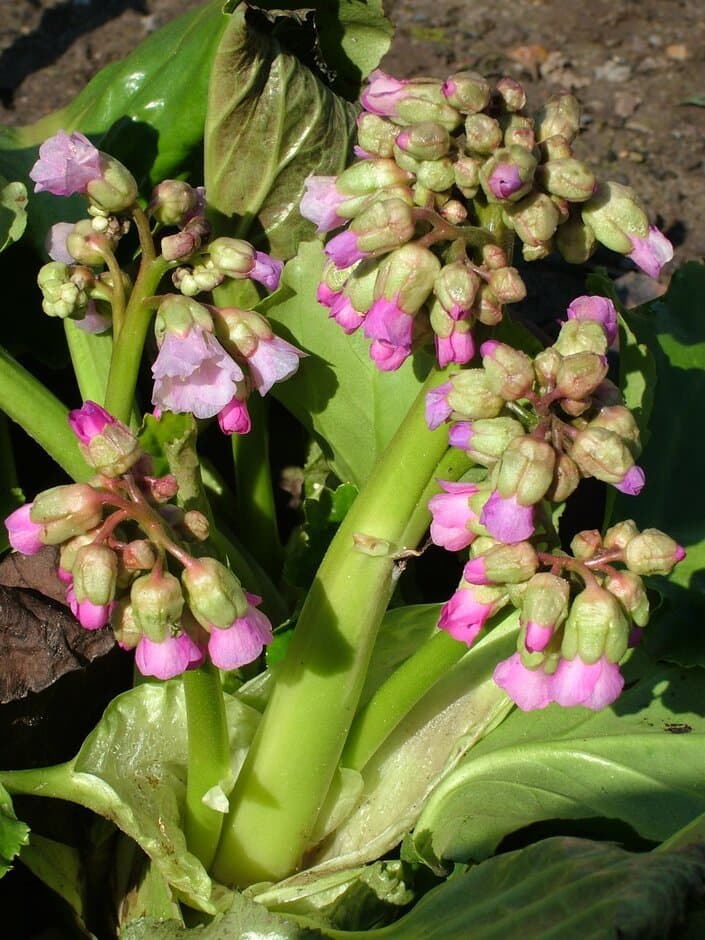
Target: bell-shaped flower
[(23, 534), (169, 658), (467, 611), (437, 408), (506, 520), (530, 689), (593, 685), (266, 270), (320, 202), (234, 418), (388, 357), (67, 164), (91, 616), (243, 641), (451, 514), (273, 360), (652, 252)]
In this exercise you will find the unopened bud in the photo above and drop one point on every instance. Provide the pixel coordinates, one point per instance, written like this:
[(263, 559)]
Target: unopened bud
[(619, 535), (526, 470), (370, 176), (483, 134), (555, 148), (597, 626), (519, 132), (122, 621), (376, 135), (511, 94), (172, 201), (507, 285), (179, 246), (115, 190), (469, 92), (426, 141), (383, 226), (234, 257), (61, 296), (455, 287), (214, 593), (619, 419), (508, 174), (560, 115), (580, 374), (488, 308), (466, 171), (534, 218), (199, 279), (453, 211), (544, 607), (471, 397), (569, 178), (65, 511), (503, 564), (602, 454), (139, 555), (578, 336), (494, 257), (510, 372), (94, 574), (196, 525), (546, 366), (616, 215), (485, 440), (436, 175), (586, 544), (566, 477), (157, 604), (88, 246), (652, 552), (407, 276)]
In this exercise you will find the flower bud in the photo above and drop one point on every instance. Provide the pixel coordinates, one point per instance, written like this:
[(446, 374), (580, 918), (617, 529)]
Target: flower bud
[(575, 240), (88, 246), (172, 201), (494, 257), (510, 372), (106, 444), (503, 564), (544, 607), (578, 336), (546, 366), (61, 296), (619, 535), (566, 477), (579, 375), (586, 544), (370, 176), (471, 397), (559, 116), (198, 279), (376, 135), (65, 511), (214, 593), (485, 440), (534, 218), (629, 589), (455, 287), (507, 285), (519, 132), (525, 470), (139, 555), (469, 92), (383, 226), (483, 134), (652, 552), (436, 175), (488, 309), (616, 215), (511, 94), (122, 622), (232, 256), (426, 141), (599, 309), (454, 212), (195, 525), (115, 190), (406, 276), (179, 246), (569, 178), (538, 251), (602, 454), (467, 611), (619, 419), (466, 171), (597, 626), (94, 573), (508, 174), (157, 604), (177, 314)]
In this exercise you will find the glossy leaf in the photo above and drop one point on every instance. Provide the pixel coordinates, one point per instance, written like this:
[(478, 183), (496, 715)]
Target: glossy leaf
[(270, 124), (13, 832), (622, 763), (338, 392), (60, 867)]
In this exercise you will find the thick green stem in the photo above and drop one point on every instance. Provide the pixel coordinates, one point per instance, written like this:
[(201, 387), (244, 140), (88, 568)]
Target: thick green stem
[(29, 403), (127, 354), (292, 761), (255, 510), (208, 759)]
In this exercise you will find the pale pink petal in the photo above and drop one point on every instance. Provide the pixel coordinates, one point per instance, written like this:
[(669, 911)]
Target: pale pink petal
[(652, 252), (167, 659), (274, 360), (530, 689), (240, 643), (23, 534), (386, 321), (66, 164), (506, 520)]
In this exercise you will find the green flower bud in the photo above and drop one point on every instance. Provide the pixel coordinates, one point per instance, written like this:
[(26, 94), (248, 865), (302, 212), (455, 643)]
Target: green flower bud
[(619, 419), (574, 407), (486, 439), (214, 593), (555, 148), (580, 374), (578, 336), (510, 372), (360, 286), (629, 589), (112, 451), (471, 397), (157, 604), (615, 214), (407, 275), (572, 179), (507, 285), (436, 175), (61, 296), (534, 218), (537, 252), (425, 141), (195, 526), (575, 240), (65, 511), (586, 544), (454, 212), (87, 245), (95, 574), (466, 171), (526, 470), (139, 555), (115, 190), (546, 366), (560, 115), (566, 477), (370, 176), (619, 535), (201, 278), (336, 278), (384, 225), (597, 626), (488, 308), (601, 454), (69, 549), (545, 601), (172, 201), (511, 94), (504, 564), (233, 257), (519, 132), (431, 105), (456, 287), (123, 624), (494, 257), (469, 92), (519, 161), (178, 314), (376, 135), (483, 134), (651, 552)]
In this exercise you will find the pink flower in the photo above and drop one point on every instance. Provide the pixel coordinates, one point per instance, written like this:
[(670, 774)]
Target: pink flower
[(600, 309), (235, 418), (343, 251), (274, 360), (506, 520), (463, 616), (168, 659), (504, 180), (89, 420), (193, 373), (530, 689), (94, 321), (593, 685), (460, 435), (91, 616), (387, 321), (320, 202), (633, 482), (437, 408), (652, 252), (386, 356), (67, 164), (451, 514), (55, 243), (243, 641), (23, 534), (266, 270), (383, 93), (458, 347), (326, 296), (537, 636), (345, 315), (474, 571)]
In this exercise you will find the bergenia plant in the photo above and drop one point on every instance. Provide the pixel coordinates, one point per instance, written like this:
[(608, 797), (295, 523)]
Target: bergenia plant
[(423, 661)]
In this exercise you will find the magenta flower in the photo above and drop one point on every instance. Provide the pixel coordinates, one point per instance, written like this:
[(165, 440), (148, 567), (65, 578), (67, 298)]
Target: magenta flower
[(506, 520), (458, 347), (235, 418), (266, 270), (345, 315), (451, 514), (633, 482), (243, 641), (320, 202), (530, 689), (91, 616), (169, 658), (343, 251), (326, 296), (386, 356), (537, 636), (23, 534), (94, 321), (89, 420), (437, 408), (600, 309), (652, 252), (593, 685), (461, 434), (274, 360), (504, 180), (383, 93), (475, 572), (463, 616), (55, 243), (387, 321), (67, 164), (193, 373)]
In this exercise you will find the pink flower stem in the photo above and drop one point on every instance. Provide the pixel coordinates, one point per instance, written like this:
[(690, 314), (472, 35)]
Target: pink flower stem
[(442, 230), (117, 301), (144, 234), (559, 562)]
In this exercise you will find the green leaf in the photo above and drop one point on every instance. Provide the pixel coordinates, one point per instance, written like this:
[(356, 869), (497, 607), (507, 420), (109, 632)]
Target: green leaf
[(270, 124), (353, 38), (60, 867), (622, 763), (698, 100), (13, 832), (338, 393), (322, 516), (13, 212)]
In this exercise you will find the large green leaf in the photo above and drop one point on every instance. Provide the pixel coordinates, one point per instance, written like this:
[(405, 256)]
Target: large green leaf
[(270, 124), (13, 832), (338, 392), (622, 763)]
